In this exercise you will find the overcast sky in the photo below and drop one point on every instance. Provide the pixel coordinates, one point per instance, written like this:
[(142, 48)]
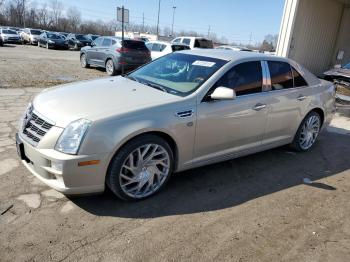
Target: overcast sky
[(237, 20)]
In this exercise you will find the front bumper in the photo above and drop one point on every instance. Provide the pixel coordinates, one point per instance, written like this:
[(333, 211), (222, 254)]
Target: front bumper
[(71, 179)]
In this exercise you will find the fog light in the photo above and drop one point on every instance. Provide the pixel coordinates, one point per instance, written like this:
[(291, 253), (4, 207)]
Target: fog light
[(57, 165)]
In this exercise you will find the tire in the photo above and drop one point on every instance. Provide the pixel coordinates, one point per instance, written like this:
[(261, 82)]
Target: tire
[(83, 61), (110, 68), (123, 182), (307, 133)]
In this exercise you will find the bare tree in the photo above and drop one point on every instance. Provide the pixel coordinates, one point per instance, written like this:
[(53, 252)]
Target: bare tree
[(74, 18), (56, 12)]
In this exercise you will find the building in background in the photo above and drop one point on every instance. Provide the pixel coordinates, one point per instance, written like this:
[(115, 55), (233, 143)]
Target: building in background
[(316, 33)]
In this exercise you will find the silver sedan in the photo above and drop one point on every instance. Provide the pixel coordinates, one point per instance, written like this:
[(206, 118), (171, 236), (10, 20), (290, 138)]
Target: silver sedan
[(184, 110)]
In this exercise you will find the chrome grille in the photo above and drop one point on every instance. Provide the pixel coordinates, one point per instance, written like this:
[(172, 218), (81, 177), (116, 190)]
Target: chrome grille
[(35, 128)]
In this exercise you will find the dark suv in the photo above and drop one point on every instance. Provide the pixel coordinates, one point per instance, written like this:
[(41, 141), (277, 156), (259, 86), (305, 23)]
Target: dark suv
[(77, 41), (111, 53)]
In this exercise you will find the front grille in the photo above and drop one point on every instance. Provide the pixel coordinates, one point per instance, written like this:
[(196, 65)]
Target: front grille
[(35, 128)]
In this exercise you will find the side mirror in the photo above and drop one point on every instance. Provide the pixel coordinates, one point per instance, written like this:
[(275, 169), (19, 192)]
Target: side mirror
[(223, 93), (93, 44)]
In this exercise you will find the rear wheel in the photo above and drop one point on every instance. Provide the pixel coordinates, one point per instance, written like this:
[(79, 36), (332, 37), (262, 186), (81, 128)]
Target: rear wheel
[(141, 168), (308, 132), (110, 68), (83, 61)]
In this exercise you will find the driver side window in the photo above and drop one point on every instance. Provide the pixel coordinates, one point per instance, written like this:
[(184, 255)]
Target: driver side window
[(98, 41), (244, 78)]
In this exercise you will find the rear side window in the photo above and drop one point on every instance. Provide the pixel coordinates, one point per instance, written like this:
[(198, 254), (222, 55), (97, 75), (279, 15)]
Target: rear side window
[(245, 78), (107, 42), (186, 41), (298, 79), (137, 45), (203, 43), (281, 75)]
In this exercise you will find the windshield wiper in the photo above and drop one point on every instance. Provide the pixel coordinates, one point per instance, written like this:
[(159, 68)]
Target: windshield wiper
[(156, 86)]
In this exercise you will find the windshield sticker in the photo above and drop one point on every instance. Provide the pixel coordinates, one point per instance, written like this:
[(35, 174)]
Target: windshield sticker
[(203, 63)]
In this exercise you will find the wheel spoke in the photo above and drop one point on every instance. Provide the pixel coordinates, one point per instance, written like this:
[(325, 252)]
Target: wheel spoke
[(144, 170)]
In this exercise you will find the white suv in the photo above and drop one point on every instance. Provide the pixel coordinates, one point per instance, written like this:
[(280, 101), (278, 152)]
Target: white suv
[(194, 42)]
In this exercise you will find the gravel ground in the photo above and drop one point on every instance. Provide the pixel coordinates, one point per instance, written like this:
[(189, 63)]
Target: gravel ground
[(257, 208), (28, 66)]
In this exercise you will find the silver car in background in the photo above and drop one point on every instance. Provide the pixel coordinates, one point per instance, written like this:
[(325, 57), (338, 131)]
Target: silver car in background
[(110, 53), (181, 111)]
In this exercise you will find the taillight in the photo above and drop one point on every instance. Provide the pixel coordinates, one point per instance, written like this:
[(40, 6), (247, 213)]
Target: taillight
[(123, 50)]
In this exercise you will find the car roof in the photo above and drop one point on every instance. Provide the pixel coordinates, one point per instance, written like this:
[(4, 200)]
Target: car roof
[(229, 55)]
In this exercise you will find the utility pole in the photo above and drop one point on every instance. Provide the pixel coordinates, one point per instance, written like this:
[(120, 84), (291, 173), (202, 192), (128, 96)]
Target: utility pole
[(208, 31), (158, 20), (143, 22), (24, 13), (122, 37), (172, 26), (250, 38)]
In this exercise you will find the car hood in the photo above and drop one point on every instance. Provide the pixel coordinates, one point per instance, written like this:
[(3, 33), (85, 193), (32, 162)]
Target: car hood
[(97, 99)]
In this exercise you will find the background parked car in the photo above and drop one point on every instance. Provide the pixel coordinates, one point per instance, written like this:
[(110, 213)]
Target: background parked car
[(341, 77), (1, 42), (92, 37), (194, 42), (77, 41), (31, 36), (160, 48), (107, 52), (52, 40), (234, 48), (64, 34), (10, 36)]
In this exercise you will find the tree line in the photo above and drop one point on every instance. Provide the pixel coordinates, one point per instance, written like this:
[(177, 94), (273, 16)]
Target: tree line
[(54, 16)]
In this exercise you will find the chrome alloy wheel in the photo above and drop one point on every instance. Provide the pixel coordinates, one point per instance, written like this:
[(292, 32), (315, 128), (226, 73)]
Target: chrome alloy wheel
[(144, 171), (309, 132)]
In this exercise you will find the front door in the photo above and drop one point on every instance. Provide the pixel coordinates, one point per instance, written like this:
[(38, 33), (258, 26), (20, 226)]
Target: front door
[(225, 128)]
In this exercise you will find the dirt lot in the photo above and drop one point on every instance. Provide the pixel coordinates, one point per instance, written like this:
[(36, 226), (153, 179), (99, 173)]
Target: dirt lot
[(255, 208), (29, 66)]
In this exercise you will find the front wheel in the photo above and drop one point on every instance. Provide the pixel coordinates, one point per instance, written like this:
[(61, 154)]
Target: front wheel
[(141, 168), (83, 61), (308, 132)]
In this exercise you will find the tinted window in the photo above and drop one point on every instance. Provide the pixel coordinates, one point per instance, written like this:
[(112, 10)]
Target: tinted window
[(245, 78), (203, 43), (156, 47), (35, 32), (98, 41), (298, 79), (177, 40), (107, 42), (186, 41), (80, 37), (10, 32), (149, 45), (281, 75), (137, 45)]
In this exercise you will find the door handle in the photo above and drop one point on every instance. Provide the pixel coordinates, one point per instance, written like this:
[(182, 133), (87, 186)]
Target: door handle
[(259, 107), (301, 97)]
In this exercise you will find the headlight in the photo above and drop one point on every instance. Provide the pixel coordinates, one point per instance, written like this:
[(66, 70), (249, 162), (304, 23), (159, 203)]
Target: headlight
[(23, 120), (51, 42), (72, 136)]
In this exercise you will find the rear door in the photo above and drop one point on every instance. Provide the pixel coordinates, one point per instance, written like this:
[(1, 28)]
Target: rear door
[(288, 98), (102, 51)]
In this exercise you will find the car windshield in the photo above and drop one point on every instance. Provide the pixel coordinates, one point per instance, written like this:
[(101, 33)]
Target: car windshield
[(177, 73), (94, 37), (80, 37), (9, 32), (35, 32), (54, 36), (347, 66)]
